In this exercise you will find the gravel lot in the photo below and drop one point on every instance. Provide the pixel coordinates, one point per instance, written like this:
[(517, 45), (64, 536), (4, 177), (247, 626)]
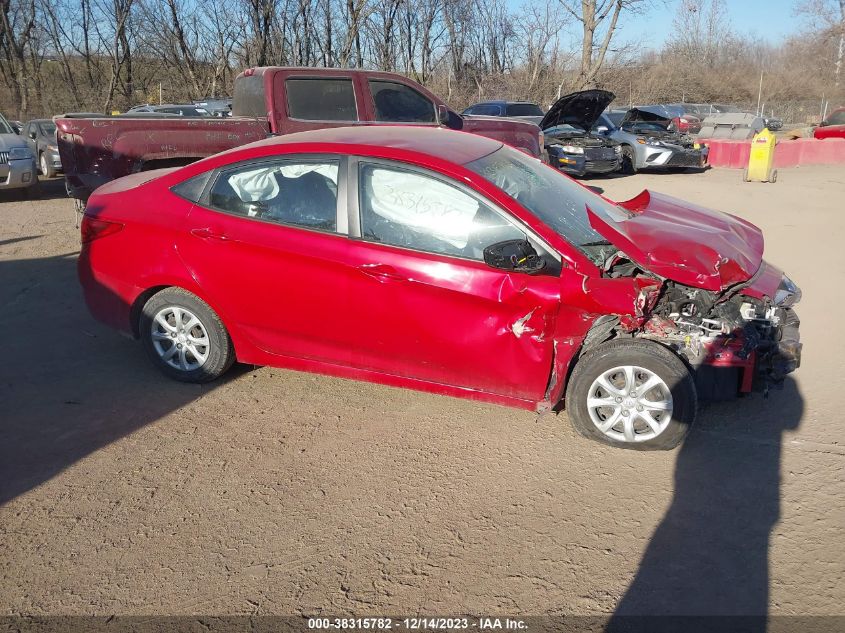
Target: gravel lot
[(275, 492)]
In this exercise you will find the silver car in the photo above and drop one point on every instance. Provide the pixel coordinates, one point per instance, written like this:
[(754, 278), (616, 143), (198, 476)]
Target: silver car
[(648, 142), (17, 162)]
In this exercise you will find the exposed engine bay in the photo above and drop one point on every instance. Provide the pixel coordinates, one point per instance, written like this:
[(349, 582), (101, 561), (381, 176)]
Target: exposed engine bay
[(732, 342), (578, 138)]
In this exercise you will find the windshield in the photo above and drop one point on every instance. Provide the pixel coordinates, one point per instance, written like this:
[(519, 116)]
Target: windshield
[(524, 109), (837, 118), (615, 118), (48, 129), (558, 201), (645, 126), (5, 128), (564, 128)]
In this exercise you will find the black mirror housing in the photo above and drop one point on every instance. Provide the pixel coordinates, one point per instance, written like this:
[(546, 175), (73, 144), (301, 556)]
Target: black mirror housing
[(514, 255)]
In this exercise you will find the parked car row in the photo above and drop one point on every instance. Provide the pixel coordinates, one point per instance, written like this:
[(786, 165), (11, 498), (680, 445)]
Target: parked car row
[(582, 137)]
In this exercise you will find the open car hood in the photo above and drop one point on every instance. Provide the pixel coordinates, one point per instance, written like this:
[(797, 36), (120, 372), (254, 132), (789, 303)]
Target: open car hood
[(686, 243), (581, 109), (661, 115)]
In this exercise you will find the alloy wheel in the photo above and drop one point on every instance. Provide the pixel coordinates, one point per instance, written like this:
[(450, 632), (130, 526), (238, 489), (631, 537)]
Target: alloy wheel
[(630, 404), (180, 338)]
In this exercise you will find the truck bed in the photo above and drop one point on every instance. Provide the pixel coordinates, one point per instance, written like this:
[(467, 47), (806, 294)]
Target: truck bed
[(96, 150)]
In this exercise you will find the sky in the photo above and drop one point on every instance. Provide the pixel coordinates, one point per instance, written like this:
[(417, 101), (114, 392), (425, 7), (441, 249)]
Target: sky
[(772, 20)]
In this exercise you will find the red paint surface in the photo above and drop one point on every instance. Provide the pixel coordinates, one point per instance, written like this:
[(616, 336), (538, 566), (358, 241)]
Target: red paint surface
[(788, 153), (686, 243), (321, 302)]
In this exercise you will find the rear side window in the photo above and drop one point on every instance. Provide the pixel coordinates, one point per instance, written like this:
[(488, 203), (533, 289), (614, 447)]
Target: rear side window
[(192, 188), (248, 99), (400, 103), (837, 118), (488, 110), (294, 192), (321, 99), (524, 109)]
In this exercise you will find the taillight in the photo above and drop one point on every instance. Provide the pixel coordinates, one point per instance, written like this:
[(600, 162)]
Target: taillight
[(95, 228)]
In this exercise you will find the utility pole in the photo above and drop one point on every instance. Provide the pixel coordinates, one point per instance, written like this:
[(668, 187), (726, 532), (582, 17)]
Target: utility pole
[(760, 93)]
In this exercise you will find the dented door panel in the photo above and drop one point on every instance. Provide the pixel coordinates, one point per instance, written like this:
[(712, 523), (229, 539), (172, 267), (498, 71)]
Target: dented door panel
[(452, 321)]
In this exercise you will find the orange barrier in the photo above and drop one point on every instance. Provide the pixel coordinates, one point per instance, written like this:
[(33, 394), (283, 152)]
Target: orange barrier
[(802, 151)]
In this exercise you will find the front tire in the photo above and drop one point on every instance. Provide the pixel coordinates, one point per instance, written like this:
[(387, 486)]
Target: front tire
[(629, 160), (184, 337), (632, 394), (46, 169)]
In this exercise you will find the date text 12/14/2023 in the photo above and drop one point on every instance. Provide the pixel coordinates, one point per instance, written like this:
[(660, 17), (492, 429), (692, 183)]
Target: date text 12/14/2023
[(417, 623)]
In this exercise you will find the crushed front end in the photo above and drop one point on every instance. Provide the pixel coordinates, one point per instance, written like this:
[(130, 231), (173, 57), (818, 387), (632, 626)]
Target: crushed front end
[(733, 341)]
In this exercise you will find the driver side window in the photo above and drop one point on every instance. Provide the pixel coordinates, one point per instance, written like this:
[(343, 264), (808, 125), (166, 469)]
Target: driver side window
[(413, 210)]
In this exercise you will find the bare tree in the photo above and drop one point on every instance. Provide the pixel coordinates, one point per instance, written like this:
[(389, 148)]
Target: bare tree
[(17, 27), (599, 20)]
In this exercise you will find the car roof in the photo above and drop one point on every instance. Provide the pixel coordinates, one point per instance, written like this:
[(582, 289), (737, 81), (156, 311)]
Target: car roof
[(438, 142), (40, 121), (503, 102)]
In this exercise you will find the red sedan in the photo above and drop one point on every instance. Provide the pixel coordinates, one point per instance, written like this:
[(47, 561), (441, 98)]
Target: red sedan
[(833, 126), (687, 124), (445, 262)]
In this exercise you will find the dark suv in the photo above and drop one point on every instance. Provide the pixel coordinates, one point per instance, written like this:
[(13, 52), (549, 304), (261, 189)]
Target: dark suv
[(524, 110)]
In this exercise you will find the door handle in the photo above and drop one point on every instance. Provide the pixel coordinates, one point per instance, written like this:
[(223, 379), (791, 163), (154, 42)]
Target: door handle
[(382, 272), (208, 233)]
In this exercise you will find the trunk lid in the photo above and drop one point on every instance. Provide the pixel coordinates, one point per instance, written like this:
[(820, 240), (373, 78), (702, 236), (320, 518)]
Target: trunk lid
[(686, 243)]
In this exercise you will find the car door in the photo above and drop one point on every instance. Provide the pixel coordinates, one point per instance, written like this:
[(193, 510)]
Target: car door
[(395, 102), (266, 243), (423, 303)]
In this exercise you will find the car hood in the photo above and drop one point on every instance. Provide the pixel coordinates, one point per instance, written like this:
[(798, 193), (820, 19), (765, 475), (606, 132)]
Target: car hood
[(686, 243), (8, 141), (661, 115), (579, 108)]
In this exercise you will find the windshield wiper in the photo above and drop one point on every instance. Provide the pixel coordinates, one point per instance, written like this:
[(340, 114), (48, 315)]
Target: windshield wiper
[(598, 243)]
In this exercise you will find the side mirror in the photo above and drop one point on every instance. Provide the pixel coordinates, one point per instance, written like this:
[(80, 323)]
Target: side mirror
[(442, 115), (32, 135), (514, 255), (449, 119), (823, 124), (602, 129)]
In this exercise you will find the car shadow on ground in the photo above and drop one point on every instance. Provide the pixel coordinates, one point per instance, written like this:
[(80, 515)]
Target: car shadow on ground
[(46, 189), (709, 555), (68, 386)]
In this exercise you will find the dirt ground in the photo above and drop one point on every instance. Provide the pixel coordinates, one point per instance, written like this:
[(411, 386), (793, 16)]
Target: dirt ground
[(276, 492)]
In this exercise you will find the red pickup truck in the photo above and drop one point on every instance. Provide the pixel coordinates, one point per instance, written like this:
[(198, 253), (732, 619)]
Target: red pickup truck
[(272, 100)]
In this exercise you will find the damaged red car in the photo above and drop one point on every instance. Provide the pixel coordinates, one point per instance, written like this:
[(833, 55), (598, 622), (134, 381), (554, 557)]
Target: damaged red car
[(446, 262)]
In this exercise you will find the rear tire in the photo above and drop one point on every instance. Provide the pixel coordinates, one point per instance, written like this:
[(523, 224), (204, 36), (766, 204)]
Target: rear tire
[(604, 404), (184, 337)]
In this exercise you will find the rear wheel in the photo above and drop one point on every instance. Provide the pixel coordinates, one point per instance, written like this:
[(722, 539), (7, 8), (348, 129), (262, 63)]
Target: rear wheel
[(632, 394), (629, 165), (184, 337)]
